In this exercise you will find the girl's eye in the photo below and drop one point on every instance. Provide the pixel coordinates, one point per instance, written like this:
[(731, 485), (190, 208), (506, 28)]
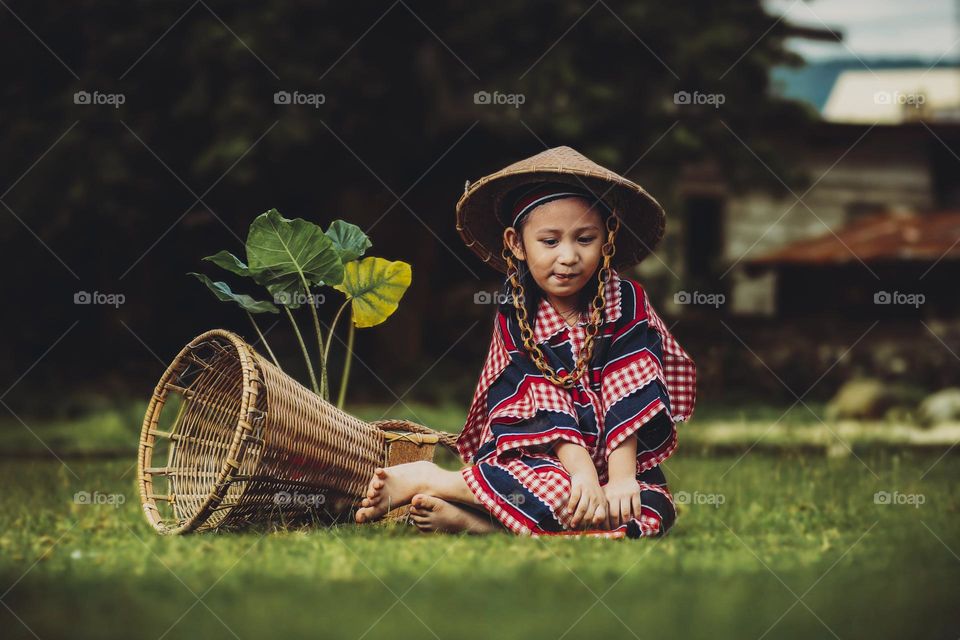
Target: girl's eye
[(548, 241), (588, 240)]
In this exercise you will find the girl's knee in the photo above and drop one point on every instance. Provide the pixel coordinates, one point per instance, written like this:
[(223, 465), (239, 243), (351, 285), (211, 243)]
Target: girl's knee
[(661, 506)]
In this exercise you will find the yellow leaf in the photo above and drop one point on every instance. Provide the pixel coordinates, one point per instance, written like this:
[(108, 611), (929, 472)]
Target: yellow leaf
[(375, 286)]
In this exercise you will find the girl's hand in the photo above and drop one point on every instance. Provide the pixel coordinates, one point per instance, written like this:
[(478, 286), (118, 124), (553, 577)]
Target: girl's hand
[(587, 501), (623, 500)]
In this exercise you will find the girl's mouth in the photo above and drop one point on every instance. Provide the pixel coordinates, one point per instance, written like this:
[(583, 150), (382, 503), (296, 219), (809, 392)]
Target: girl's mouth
[(564, 277)]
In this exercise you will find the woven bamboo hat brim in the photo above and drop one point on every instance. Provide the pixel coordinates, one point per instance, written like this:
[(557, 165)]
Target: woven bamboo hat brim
[(642, 219)]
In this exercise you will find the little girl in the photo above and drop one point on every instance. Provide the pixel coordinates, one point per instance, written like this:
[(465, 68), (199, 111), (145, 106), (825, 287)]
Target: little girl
[(577, 402)]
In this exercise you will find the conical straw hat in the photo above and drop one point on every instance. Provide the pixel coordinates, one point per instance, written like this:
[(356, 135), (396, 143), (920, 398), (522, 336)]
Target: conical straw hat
[(642, 218)]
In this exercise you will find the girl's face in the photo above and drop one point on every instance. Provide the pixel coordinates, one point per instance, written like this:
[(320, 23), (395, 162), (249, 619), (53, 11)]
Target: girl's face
[(561, 243)]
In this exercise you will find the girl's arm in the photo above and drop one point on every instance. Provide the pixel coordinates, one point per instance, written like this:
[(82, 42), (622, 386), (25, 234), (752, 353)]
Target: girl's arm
[(622, 491), (575, 459), (587, 500), (622, 462)]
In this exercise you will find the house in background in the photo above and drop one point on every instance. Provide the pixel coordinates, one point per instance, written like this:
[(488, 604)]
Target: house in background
[(882, 214), (903, 265)]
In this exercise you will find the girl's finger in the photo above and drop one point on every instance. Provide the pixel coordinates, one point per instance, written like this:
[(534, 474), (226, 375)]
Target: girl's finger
[(606, 520), (616, 513), (625, 508), (599, 514), (598, 511), (636, 504), (574, 498), (581, 511), (584, 521)]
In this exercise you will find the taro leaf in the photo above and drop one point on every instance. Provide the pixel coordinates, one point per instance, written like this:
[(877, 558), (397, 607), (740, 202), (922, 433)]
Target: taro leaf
[(230, 262), (284, 255), (287, 294), (348, 239), (375, 287), (223, 292)]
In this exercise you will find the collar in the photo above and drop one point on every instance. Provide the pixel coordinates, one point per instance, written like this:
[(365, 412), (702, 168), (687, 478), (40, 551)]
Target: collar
[(549, 322)]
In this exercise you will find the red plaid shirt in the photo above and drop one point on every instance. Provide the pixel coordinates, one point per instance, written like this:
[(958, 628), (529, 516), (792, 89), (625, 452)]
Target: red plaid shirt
[(678, 371)]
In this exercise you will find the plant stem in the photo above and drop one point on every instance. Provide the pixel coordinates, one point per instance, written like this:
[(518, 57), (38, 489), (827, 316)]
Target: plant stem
[(333, 325), (346, 363), (324, 392), (263, 339), (303, 348)]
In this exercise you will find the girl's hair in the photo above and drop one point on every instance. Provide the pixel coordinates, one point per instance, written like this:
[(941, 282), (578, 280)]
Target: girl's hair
[(532, 291)]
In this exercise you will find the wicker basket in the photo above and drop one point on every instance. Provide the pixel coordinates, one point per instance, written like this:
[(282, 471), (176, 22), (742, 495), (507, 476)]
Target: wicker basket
[(229, 440)]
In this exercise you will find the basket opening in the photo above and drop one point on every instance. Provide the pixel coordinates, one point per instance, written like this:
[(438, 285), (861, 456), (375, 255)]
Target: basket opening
[(197, 426)]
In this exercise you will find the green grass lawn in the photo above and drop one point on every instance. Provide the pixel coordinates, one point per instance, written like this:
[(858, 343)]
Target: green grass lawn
[(798, 548), (114, 429)]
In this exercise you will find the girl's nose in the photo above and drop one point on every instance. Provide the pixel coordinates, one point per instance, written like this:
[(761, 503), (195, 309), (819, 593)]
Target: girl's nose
[(568, 256)]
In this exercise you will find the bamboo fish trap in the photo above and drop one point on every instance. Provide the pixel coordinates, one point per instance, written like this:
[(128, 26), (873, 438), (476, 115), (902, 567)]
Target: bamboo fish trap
[(229, 440)]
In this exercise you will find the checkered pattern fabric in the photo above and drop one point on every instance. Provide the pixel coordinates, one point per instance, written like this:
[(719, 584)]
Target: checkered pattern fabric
[(529, 496), (535, 393), (627, 374), (640, 383), (550, 323), (679, 371)]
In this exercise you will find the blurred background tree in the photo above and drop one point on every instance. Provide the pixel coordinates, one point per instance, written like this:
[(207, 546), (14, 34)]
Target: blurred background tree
[(129, 199)]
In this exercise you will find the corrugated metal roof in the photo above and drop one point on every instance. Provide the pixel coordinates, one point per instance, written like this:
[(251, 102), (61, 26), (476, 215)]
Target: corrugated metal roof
[(885, 237)]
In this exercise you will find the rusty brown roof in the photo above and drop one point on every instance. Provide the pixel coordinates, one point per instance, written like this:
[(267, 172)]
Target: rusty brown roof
[(884, 237)]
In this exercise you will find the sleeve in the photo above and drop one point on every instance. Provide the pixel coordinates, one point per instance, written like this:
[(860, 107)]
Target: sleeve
[(679, 370), (475, 429), (638, 397), (527, 410)]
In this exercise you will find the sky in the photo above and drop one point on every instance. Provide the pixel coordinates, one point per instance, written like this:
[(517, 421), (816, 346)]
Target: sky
[(872, 29)]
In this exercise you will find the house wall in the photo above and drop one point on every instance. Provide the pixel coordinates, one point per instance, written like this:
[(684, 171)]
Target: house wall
[(852, 172), (890, 170)]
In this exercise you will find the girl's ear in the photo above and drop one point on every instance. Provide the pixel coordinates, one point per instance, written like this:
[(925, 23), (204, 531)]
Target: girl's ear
[(512, 239)]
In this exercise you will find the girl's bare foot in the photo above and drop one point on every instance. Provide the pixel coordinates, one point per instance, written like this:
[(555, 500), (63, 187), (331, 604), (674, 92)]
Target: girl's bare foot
[(431, 514), (394, 487)]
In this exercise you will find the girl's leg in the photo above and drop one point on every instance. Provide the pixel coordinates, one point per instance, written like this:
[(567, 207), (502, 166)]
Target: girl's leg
[(395, 486)]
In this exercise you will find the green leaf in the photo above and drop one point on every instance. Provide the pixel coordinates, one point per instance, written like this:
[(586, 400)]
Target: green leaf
[(223, 292), (375, 287), (287, 255), (348, 239), (230, 262)]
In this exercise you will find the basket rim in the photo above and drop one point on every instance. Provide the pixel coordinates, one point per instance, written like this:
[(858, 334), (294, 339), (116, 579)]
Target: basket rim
[(251, 387)]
